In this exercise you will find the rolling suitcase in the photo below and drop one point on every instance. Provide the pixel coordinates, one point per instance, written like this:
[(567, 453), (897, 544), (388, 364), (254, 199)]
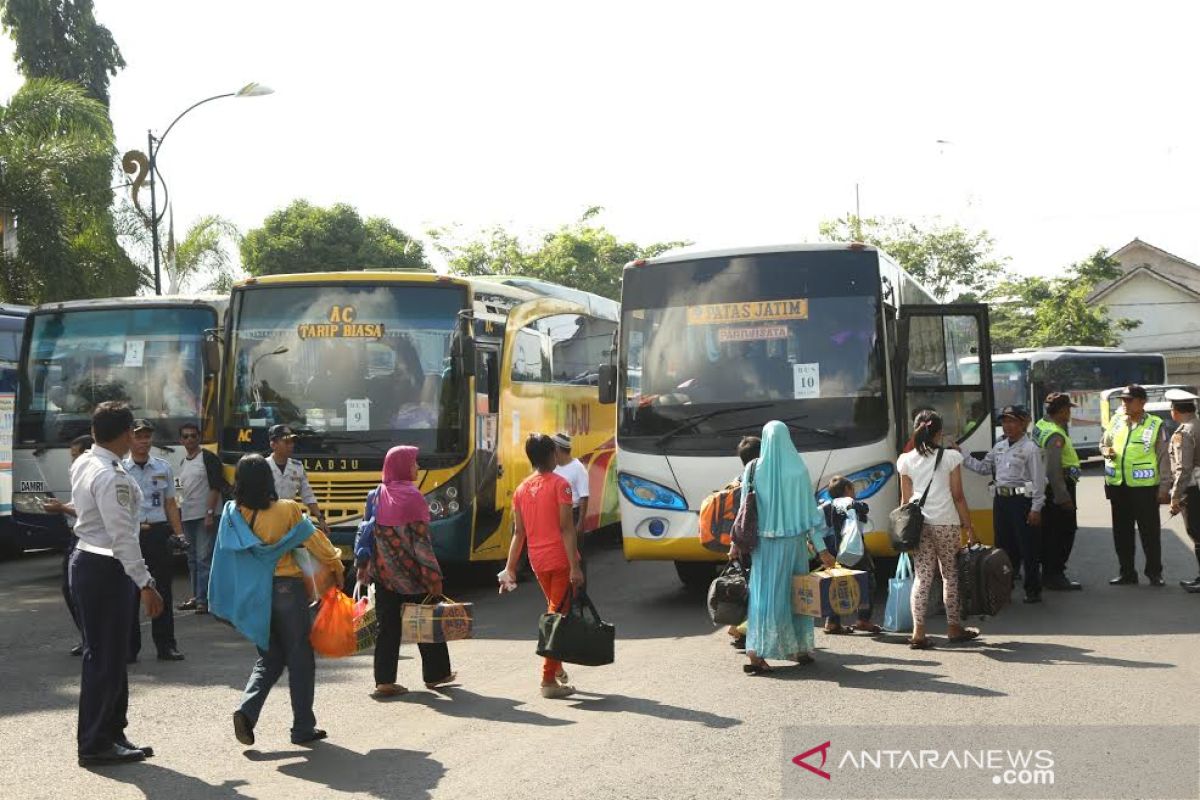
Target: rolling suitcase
[(985, 579)]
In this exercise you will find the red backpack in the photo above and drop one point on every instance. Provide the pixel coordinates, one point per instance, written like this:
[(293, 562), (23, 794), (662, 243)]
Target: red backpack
[(717, 513)]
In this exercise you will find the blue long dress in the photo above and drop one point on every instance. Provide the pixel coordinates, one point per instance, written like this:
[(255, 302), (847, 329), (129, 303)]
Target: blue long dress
[(788, 522)]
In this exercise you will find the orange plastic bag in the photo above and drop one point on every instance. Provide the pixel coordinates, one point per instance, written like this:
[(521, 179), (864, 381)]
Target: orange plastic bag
[(332, 632)]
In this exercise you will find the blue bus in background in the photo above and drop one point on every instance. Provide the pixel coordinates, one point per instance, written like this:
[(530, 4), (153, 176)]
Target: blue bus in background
[(12, 331)]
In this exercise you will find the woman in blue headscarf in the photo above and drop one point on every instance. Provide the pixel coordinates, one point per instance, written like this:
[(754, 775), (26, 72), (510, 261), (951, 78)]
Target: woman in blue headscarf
[(788, 524)]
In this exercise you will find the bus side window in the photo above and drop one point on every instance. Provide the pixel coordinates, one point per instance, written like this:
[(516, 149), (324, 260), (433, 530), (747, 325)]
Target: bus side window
[(487, 378)]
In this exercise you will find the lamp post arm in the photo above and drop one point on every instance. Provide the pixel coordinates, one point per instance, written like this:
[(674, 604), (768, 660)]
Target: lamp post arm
[(160, 139)]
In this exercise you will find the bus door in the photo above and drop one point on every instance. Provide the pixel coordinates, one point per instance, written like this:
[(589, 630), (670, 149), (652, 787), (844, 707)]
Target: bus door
[(936, 369), (487, 416)]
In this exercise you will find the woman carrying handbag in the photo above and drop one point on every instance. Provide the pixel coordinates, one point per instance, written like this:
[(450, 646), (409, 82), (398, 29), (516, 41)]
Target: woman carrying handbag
[(945, 516), (395, 553)]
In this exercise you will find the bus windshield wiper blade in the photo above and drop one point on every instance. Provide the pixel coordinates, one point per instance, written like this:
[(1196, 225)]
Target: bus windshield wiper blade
[(691, 422), (810, 429)]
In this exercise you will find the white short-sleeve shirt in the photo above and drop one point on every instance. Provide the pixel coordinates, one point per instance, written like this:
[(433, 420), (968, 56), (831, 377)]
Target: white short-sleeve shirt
[(577, 476), (939, 507)]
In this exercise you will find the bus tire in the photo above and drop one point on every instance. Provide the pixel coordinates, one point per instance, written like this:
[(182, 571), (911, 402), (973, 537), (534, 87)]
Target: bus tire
[(696, 574)]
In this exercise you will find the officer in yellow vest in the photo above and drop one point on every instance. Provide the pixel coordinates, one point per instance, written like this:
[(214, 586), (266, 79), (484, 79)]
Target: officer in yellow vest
[(1137, 477), (1059, 521)]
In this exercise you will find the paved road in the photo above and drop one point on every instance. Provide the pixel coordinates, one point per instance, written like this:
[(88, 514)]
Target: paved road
[(674, 718)]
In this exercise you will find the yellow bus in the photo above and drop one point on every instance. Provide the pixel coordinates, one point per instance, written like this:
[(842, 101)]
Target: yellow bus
[(464, 368)]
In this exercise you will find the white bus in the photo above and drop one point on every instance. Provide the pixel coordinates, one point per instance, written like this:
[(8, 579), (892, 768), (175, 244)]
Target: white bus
[(1027, 375), (159, 354), (833, 339)]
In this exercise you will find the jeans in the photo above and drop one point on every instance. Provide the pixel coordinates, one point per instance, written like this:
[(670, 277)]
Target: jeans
[(201, 539), (291, 620), (435, 656)]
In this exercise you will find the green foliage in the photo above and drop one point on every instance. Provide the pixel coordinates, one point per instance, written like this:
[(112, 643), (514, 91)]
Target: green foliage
[(580, 255), (308, 238), (62, 39), (1042, 312), (56, 148), (948, 259), (204, 253)]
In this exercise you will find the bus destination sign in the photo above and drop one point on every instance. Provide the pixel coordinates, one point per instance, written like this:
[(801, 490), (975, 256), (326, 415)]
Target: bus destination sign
[(341, 323), (756, 311)]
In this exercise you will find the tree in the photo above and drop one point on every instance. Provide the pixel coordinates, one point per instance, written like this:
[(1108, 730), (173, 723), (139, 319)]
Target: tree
[(62, 39), (56, 155), (1041, 312), (580, 255), (948, 259), (308, 238), (203, 253)]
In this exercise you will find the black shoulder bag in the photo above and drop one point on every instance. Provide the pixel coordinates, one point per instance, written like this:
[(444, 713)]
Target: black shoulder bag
[(907, 520)]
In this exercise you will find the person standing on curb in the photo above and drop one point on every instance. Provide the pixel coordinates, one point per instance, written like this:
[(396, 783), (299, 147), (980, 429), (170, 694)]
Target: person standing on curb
[(1059, 515)]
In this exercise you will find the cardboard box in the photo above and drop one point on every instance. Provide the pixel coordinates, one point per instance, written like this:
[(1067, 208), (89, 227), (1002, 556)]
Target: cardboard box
[(830, 591), (433, 623)]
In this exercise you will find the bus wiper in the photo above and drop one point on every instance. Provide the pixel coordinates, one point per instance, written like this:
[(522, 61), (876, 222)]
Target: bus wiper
[(793, 426), (691, 422)]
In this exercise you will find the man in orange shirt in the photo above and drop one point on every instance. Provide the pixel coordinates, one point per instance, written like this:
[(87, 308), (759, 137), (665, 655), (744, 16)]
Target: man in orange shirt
[(542, 512)]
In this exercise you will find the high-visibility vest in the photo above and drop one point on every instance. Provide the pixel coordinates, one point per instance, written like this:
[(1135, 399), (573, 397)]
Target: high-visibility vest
[(1043, 429), (1134, 461)]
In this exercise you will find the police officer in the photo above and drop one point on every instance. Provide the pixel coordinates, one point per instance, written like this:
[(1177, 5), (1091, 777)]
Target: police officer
[(159, 519), (1137, 479), (1059, 518), (106, 558), (1185, 490), (291, 481), (1020, 484)]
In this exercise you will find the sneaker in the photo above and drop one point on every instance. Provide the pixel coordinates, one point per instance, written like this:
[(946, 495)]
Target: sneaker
[(557, 691), (189, 605)]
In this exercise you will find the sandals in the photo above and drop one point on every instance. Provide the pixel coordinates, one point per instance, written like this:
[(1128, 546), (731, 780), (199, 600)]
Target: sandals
[(444, 681), (967, 635), (924, 643), (562, 677), (868, 628), (395, 690), (840, 630), (757, 668)]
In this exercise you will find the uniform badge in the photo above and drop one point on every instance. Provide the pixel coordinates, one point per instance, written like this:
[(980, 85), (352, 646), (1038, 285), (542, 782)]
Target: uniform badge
[(124, 496)]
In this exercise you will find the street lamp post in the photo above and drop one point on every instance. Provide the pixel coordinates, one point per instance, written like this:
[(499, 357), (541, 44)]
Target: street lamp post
[(154, 144)]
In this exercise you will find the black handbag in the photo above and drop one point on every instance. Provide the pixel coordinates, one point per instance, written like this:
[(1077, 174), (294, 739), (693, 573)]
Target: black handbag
[(745, 524), (729, 596), (907, 520), (577, 637)]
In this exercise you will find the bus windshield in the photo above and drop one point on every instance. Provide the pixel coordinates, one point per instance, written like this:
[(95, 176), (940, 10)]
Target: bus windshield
[(151, 358), (352, 368), (714, 348)]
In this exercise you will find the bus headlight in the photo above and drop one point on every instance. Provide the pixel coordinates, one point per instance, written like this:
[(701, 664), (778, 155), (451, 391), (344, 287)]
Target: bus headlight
[(446, 499), (866, 482), (649, 494), (29, 502)]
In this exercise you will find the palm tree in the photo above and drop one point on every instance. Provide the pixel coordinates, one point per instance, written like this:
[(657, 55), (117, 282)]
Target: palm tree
[(202, 253), (56, 164)]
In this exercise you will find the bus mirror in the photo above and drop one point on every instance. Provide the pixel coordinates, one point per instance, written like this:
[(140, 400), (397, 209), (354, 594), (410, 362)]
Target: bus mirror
[(608, 384), (212, 352)]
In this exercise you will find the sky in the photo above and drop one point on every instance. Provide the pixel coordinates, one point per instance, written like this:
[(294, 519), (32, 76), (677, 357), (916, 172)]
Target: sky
[(1063, 127)]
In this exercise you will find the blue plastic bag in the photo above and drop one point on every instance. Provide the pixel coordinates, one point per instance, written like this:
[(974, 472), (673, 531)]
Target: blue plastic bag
[(897, 616)]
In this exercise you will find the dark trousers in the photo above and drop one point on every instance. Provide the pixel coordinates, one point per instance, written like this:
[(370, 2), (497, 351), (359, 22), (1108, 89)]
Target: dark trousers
[(1136, 506), (100, 588), (1016, 537), (1191, 518), (291, 621), (1058, 534), (867, 565), (156, 550), (435, 658), (66, 584)]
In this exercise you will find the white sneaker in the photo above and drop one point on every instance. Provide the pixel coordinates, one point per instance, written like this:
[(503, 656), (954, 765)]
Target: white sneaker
[(557, 691)]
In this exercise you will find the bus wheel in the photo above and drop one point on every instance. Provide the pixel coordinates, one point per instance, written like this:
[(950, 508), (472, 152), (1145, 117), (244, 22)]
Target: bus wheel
[(696, 574)]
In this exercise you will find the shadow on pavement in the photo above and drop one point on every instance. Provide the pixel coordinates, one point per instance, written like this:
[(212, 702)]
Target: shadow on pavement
[(385, 773), (618, 703), (155, 781), (1043, 653), (839, 668), (457, 702)]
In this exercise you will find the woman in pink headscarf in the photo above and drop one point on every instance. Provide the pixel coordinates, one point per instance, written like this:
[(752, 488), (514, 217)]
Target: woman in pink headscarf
[(402, 565)]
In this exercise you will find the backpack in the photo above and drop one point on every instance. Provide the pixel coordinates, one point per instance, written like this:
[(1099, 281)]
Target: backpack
[(717, 513), (985, 580)]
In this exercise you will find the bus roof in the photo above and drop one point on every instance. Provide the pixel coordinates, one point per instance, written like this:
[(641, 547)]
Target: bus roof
[(352, 275), (217, 300), (1054, 353), (694, 253), (14, 311)]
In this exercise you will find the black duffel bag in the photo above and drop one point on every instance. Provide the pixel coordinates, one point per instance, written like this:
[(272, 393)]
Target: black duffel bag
[(579, 636), (729, 596), (907, 520)]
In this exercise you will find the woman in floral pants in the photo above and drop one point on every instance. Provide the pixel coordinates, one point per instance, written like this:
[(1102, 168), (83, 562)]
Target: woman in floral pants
[(929, 468)]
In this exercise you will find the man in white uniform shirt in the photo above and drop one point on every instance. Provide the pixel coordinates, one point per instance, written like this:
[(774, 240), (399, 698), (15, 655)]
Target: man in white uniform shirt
[(107, 557), (574, 473)]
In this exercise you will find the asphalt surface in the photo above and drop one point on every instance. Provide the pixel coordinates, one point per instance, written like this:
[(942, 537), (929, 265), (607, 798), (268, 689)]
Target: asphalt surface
[(675, 717)]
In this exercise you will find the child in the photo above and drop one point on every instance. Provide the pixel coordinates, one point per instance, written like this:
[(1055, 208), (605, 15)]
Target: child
[(841, 505)]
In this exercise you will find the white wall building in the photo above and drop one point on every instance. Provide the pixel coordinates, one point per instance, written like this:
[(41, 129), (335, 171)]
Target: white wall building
[(1163, 292)]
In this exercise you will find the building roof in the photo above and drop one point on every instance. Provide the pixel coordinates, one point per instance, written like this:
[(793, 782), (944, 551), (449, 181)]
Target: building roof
[(1173, 270)]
